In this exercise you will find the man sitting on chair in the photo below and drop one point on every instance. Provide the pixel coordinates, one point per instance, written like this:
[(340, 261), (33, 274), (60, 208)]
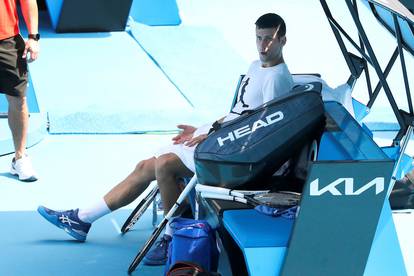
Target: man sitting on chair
[(265, 80)]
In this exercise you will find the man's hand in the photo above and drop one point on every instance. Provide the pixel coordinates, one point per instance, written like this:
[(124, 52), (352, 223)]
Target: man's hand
[(185, 135), (32, 47), (196, 140)]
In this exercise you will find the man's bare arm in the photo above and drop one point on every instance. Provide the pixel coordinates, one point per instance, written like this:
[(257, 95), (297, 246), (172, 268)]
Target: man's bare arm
[(31, 17), (200, 138), (30, 14)]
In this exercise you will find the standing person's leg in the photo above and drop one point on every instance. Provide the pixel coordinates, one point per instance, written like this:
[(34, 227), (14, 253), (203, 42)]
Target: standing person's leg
[(18, 122), (13, 82), (169, 168), (78, 222)]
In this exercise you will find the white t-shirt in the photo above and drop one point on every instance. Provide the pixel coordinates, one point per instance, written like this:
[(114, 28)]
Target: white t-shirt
[(260, 85)]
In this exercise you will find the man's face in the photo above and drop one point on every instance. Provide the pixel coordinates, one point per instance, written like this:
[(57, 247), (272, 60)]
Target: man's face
[(269, 46)]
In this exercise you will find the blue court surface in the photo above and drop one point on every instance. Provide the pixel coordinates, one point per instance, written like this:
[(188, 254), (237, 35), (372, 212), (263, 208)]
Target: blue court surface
[(103, 101), (40, 251), (75, 181)]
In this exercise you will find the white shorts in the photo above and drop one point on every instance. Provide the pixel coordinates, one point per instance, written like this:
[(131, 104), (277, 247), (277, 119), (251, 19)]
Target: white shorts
[(186, 154)]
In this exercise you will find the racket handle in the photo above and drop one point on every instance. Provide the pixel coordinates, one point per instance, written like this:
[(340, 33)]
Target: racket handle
[(141, 254), (211, 189)]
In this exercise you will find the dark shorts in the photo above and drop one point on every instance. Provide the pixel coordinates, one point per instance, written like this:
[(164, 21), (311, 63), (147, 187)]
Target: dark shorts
[(13, 68)]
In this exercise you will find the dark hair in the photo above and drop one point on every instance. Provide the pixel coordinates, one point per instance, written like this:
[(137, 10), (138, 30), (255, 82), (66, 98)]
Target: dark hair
[(271, 20)]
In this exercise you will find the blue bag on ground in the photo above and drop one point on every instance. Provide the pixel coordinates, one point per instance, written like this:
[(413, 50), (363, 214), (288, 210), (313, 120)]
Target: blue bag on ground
[(193, 241)]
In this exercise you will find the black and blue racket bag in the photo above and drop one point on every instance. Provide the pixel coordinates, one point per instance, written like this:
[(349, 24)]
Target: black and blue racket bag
[(254, 145)]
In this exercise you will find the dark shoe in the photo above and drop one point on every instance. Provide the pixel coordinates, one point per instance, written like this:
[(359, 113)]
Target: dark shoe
[(68, 221), (159, 254), (402, 195)]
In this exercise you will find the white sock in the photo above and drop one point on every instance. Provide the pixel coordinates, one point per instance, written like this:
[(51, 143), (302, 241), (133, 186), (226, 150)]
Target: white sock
[(94, 212)]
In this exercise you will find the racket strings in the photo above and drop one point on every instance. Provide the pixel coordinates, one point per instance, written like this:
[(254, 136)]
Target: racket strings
[(278, 199)]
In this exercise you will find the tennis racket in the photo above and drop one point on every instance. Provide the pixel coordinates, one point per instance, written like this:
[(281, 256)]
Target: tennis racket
[(157, 231), (139, 210), (252, 198)]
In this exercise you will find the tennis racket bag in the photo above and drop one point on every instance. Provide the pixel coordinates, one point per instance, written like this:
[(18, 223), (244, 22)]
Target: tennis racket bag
[(254, 145)]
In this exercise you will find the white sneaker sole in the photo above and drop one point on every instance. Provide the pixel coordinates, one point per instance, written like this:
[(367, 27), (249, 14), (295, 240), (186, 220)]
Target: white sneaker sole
[(28, 179)]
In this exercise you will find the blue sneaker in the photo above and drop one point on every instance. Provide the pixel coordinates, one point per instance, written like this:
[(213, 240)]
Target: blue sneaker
[(159, 254), (68, 221)]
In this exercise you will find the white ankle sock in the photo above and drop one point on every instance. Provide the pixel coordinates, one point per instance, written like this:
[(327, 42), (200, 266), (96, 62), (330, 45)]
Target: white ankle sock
[(94, 212)]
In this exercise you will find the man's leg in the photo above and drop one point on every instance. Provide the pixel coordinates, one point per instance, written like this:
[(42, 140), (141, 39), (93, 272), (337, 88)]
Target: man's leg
[(18, 120), (168, 169), (78, 222), (132, 186), (123, 193), (18, 123), (13, 82)]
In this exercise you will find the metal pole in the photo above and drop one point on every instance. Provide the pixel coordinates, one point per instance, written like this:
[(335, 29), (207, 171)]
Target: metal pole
[(397, 164), (376, 64)]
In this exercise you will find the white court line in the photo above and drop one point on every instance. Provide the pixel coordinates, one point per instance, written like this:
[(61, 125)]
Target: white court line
[(116, 226)]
